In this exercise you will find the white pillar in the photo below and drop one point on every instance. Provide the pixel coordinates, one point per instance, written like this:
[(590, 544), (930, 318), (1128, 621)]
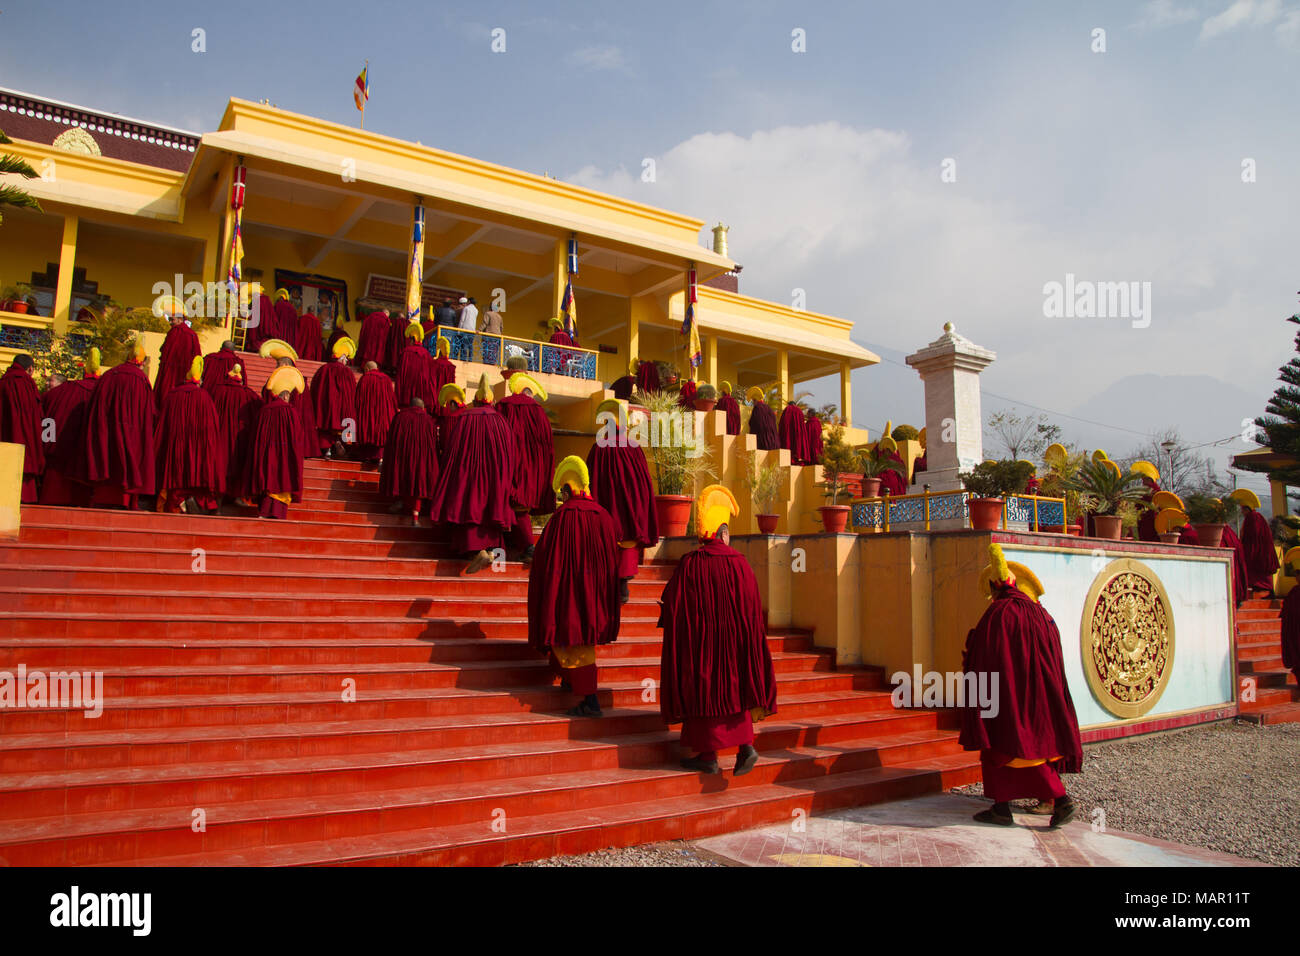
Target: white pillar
[(950, 367)]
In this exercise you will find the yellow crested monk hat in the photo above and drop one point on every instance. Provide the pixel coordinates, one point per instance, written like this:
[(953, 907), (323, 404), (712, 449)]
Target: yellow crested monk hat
[(196, 369), (921, 438), (1170, 519), (1000, 570), (277, 349), (281, 294), (168, 306), (345, 348), (1033, 469), (484, 391), (1246, 498), (92, 362), (137, 352), (286, 378), (450, 392), (755, 394), (443, 346), (572, 471), (715, 508), (1100, 455), (236, 372), (1055, 455), (725, 388), (1166, 499), (521, 380), (1145, 469), (616, 405), (1111, 465), (632, 364), (1291, 558), (555, 322), (887, 443), (414, 331)]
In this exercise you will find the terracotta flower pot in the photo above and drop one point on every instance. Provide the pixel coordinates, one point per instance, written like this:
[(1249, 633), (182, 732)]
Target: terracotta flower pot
[(767, 523), (20, 308), (1209, 535), (835, 518), (870, 487), (1108, 526), (1169, 537), (1076, 530), (674, 513), (705, 404), (985, 513)]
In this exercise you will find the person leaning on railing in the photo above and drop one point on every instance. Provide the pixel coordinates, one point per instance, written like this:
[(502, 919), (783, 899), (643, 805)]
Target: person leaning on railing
[(491, 325)]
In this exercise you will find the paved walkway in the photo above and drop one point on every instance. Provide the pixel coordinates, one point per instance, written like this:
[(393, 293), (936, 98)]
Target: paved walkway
[(938, 831)]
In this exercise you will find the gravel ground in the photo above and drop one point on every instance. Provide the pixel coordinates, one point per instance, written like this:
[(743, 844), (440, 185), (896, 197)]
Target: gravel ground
[(676, 853), (1230, 787)]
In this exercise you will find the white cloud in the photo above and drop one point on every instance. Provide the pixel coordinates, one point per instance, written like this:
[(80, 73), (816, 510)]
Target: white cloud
[(1242, 13), (1157, 14), (598, 58)]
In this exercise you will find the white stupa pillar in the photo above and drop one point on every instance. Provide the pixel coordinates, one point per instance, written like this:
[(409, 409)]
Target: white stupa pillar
[(950, 367)]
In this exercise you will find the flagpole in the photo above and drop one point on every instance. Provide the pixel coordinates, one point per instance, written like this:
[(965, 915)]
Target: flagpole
[(366, 70)]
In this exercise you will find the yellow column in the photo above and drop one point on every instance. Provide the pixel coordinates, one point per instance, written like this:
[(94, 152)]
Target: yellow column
[(711, 359), (783, 374), (67, 260), (846, 393), (1277, 493), (561, 273), (222, 248), (633, 332)]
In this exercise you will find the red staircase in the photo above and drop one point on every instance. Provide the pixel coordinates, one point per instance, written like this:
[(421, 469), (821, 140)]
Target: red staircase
[(224, 693), (1259, 657)]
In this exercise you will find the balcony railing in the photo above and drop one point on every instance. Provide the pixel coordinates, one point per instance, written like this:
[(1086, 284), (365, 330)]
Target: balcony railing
[(542, 357), (1032, 512)]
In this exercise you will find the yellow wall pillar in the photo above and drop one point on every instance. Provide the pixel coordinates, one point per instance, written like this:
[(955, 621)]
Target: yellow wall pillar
[(783, 374), (711, 360), (67, 261), (560, 271), (11, 488), (846, 393), (1277, 496)]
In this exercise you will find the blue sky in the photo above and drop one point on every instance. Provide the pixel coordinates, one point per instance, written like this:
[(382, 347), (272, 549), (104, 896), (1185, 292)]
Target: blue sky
[(1123, 165)]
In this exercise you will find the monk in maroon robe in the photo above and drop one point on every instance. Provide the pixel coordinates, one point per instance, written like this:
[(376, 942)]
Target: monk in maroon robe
[(815, 442), (531, 494), (409, 470), (284, 320), (396, 339), (686, 395), (1146, 527), (727, 403), (716, 668), (217, 365), (302, 407), (64, 482), (1025, 729), (1240, 584), (119, 435), (1186, 534), (376, 404), (236, 406), (451, 402), (472, 498), (793, 432), (415, 371), (624, 387), (260, 324), (334, 403), (307, 340), (1291, 618), (178, 351), (560, 336), (372, 340), (21, 416), (275, 453), (762, 422), (620, 483), (647, 377), (572, 592), (1257, 544), (191, 461)]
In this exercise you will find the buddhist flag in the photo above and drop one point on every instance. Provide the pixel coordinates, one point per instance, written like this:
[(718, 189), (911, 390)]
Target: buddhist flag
[(568, 307), (694, 354), (361, 90), (415, 268)]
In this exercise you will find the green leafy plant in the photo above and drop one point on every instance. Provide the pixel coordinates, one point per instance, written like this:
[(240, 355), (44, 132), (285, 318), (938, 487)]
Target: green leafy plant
[(905, 433), (997, 479), (678, 464), (11, 165), (707, 393), (1203, 509), (873, 463), (838, 460), (1108, 486), (765, 483)]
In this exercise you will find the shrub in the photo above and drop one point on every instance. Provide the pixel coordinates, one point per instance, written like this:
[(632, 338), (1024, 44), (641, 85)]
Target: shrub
[(905, 433)]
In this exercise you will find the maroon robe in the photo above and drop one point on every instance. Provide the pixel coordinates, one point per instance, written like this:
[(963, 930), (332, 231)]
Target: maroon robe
[(333, 401), (1240, 585), (275, 455), (561, 337), (1186, 534), (531, 489), (410, 467), (64, 482), (236, 406), (20, 423), (686, 395), (762, 425), (647, 377), (189, 457), (715, 661), (442, 371), (284, 322), (395, 340), (175, 357), (624, 387), (620, 483), (1146, 527), (119, 434), (443, 422), (727, 403), (302, 406), (893, 482), (572, 584), (474, 484), (1291, 631), (307, 339), (372, 340), (415, 377), (217, 366), (793, 431), (815, 442), (1257, 544), (376, 406), (1017, 640), (266, 322)]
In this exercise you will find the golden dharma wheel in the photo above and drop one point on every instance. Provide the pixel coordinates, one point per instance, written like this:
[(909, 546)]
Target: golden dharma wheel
[(1127, 638)]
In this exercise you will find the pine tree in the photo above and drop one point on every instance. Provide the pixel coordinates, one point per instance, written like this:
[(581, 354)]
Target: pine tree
[(1280, 423)]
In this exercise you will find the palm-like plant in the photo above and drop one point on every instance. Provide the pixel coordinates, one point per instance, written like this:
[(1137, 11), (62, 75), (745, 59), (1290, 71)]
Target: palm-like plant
[(1108, 485), (16, 196), (873, 464)]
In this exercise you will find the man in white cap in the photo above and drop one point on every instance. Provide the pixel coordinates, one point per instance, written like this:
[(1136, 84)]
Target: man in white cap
[(468, 315)]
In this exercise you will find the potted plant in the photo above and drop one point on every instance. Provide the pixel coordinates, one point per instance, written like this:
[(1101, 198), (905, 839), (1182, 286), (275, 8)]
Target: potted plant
[(989, 483), (678, 463), (15, 297), (1110, 487), (838, 460), (706, 397), (1208, 516), (1055, 484), (765, 483), (872, 465)]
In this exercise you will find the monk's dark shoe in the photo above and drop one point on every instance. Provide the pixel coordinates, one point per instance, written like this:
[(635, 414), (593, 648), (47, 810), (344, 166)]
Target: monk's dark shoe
[(478, 562), (746, 757), (590, 707), (527, 556), (701, 766), (624, 594), (564, 684), (1064, 812), (995, 816), (337, 450), (1043, 808), (191, 506)]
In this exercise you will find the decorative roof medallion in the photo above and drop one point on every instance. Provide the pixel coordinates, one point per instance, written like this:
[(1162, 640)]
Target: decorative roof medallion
[(77, 140), (1127, 638)]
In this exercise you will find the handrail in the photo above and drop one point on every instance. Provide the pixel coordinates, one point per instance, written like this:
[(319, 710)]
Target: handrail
[(493, 349), (888, 503)]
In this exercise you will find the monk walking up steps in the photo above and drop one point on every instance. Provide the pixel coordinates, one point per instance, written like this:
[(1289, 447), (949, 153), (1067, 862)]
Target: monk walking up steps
[(620, 482), (530, 492)]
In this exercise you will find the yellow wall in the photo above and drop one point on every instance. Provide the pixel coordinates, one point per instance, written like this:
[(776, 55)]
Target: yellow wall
[(11, 488)]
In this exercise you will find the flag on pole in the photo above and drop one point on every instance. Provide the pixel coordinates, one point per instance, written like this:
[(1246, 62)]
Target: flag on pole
[(415, 268), (694, 355), (236, 270), (569, 307), (361, 90)]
